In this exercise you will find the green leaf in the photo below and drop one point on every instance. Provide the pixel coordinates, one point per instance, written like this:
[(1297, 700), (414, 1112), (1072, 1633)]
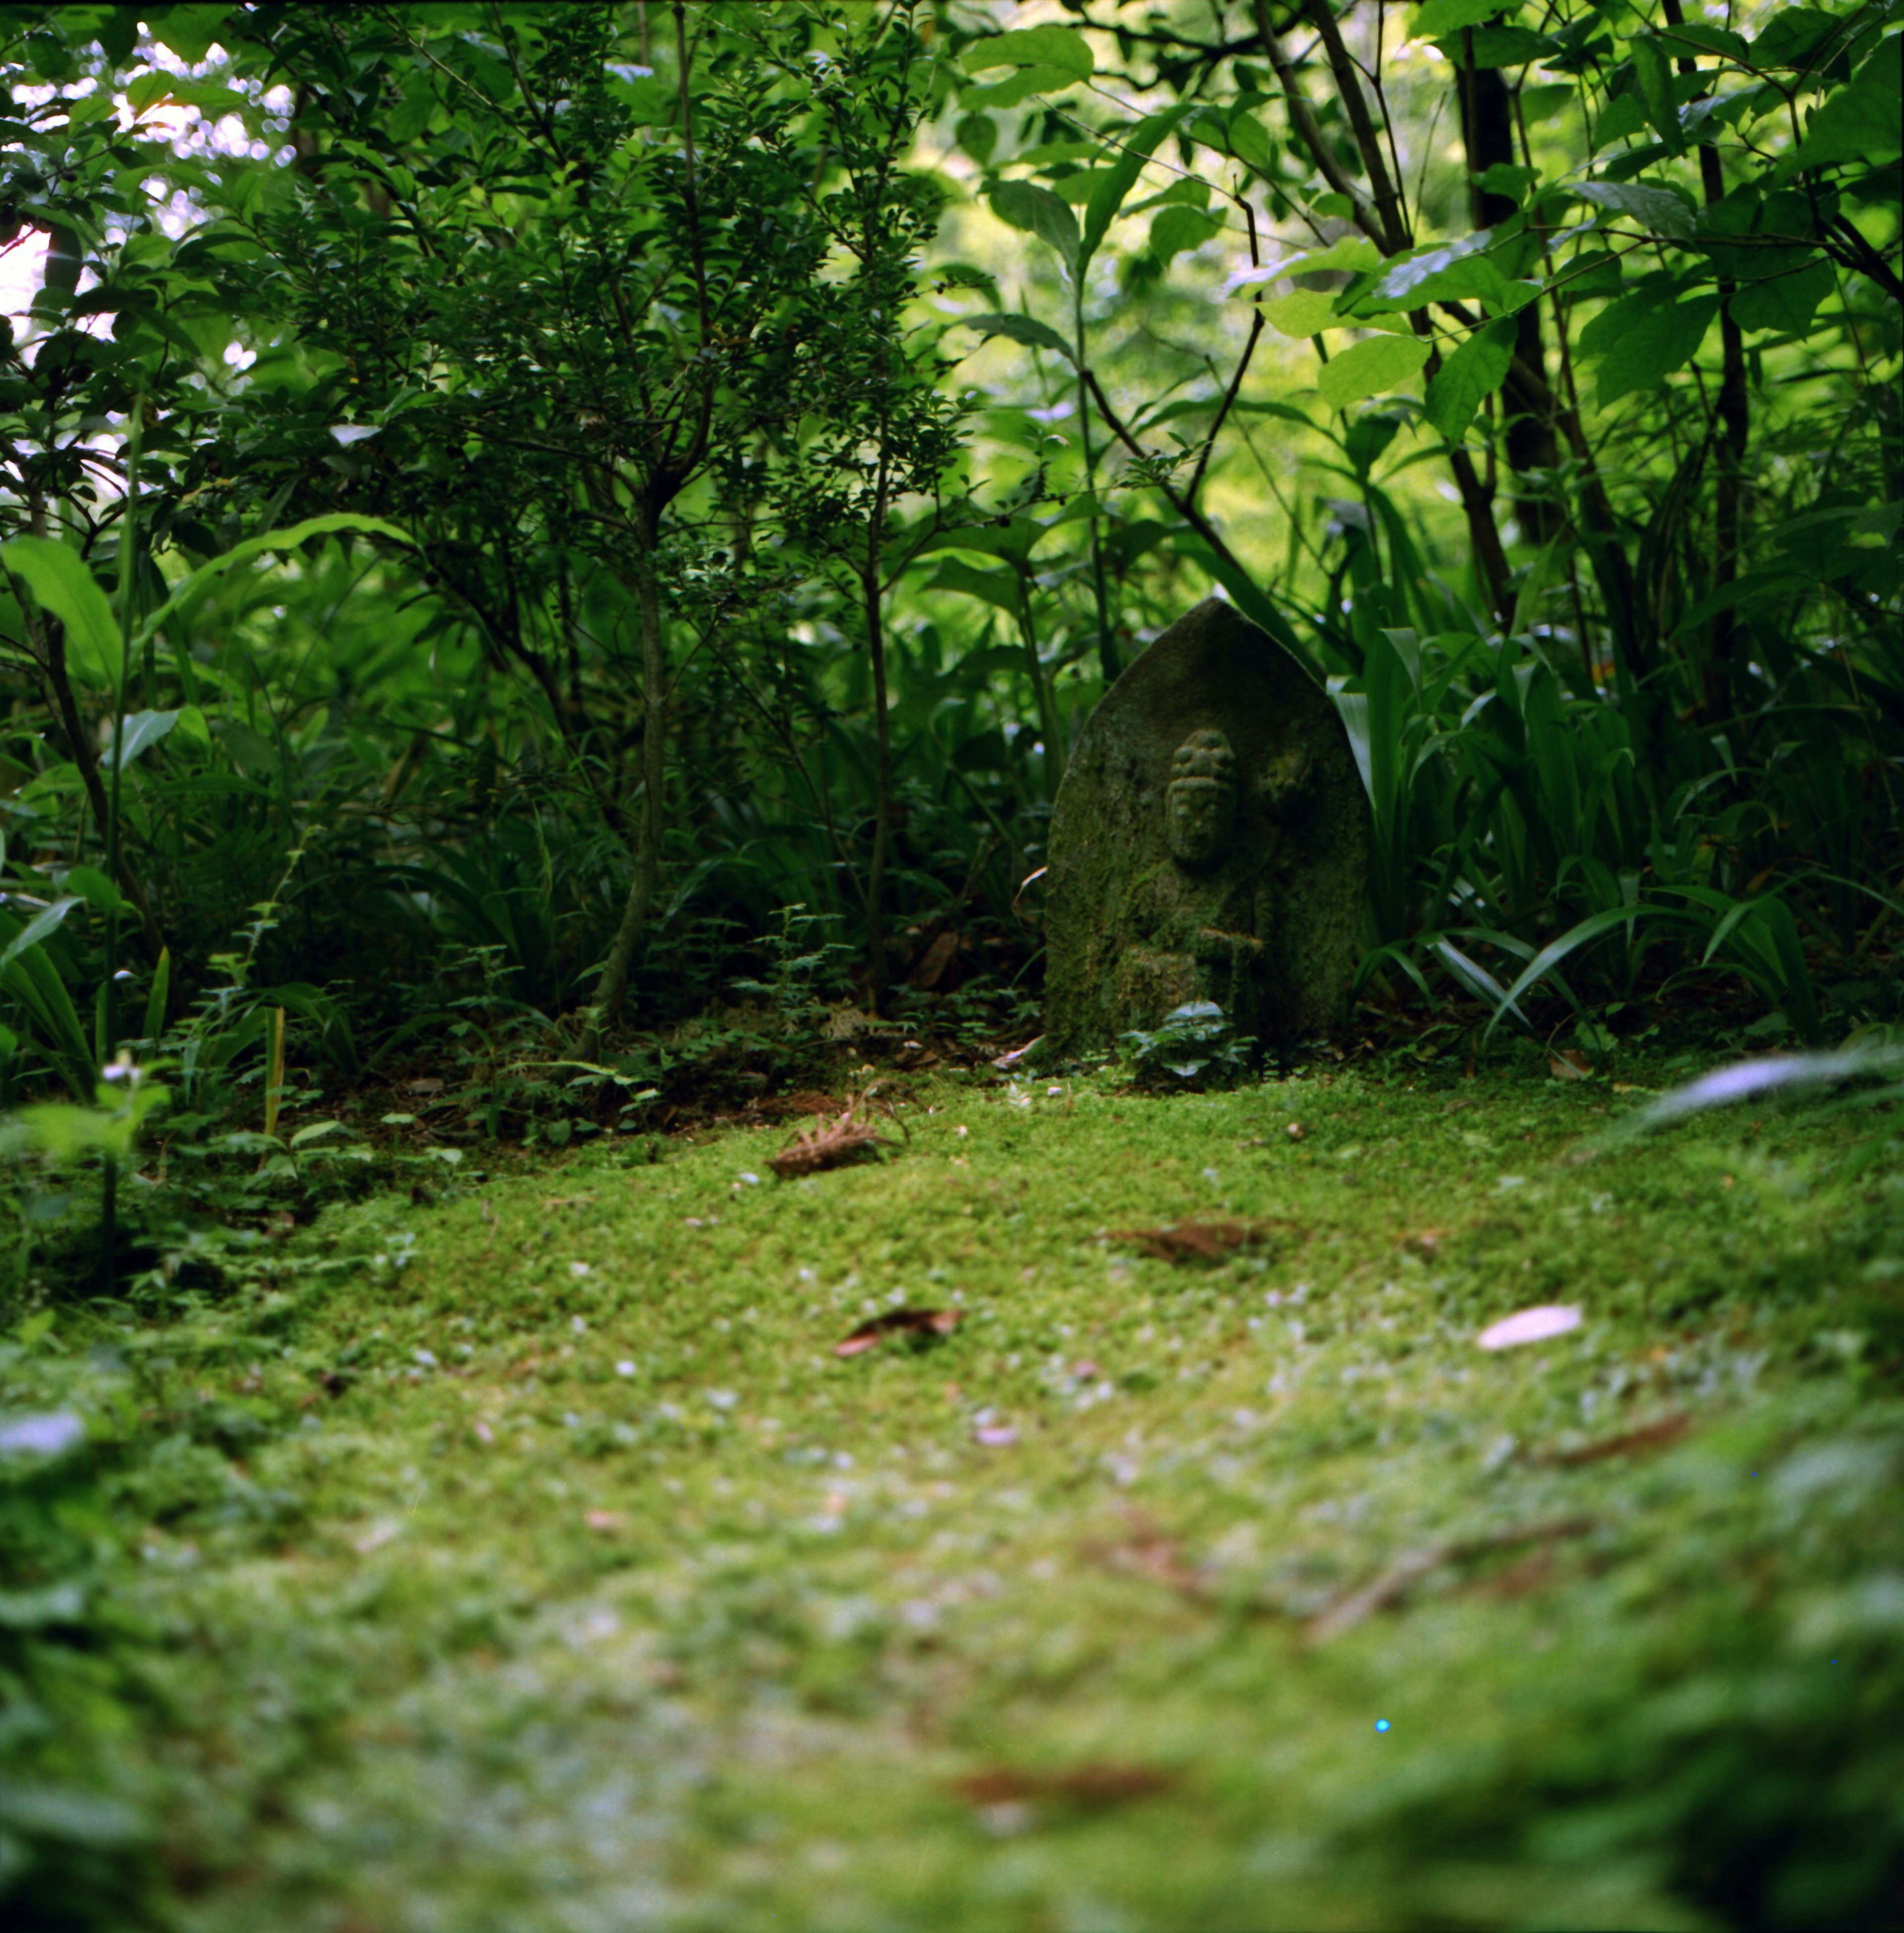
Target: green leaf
[(1450, 273), (1626, 115), (1027, 82), (1862, 122), (1500, 47), (64, 586), (191, 591), (998, 587), (1665, 339), (1038, 212), (1367, 368), (36, 928), (1450, 16), (1477, 369), (142, 729), (1025, 328), (1785, 302), (978, 135), (1792, 37), (1248, 140), (93, 886), (1545, 99), (1177, 229), (1652, 74), (1062, 47), (1708, 39), (1112, 185), (1306, 313), (1657, 209), (1352, 251)]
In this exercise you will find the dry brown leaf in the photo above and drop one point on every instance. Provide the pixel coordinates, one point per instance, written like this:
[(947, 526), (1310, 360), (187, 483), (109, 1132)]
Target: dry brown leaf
[(1087, 1785), (1401, 1576), (1568, 1063), (936, 959), (834, 1144), (1425, 1243), (1202, 1241), (922, 1325), (1655, 1435)]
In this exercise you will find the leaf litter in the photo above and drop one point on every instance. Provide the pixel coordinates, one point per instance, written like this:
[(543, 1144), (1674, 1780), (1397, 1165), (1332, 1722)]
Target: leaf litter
[(921, 1327), (1205, 1241)]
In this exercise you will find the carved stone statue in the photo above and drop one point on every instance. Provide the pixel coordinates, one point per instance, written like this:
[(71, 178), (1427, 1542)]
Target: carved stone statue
[(1210, 842)]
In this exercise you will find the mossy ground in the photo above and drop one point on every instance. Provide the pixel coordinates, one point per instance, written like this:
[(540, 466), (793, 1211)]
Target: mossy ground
[(574, 1582)]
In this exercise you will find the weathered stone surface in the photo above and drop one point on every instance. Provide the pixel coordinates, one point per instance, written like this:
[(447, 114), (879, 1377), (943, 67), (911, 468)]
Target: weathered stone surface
[(1210, 842)]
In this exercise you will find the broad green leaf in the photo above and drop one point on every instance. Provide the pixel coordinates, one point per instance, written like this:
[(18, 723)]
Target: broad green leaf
[(192, 591), (93, 886), (1652, 74), (1025, 328), (1452, 273), (1862, 122), (1476, 369), (1450, 16), (1793, 35), (1537, 103), (1062, 47), (1786, 302), (36, 928), (1352, 251), (1367, 369), (978, 135), (1020, 86), (1497, 47), (1249, 139), (1177, 230), (1038, 212), (64, 586), (1706, 38), (315, 1131), (1657, 209), (1306, 313), (1626, 115), (998, 587), (1112, 185), (192, 726), (142, 729), (1665, 339)]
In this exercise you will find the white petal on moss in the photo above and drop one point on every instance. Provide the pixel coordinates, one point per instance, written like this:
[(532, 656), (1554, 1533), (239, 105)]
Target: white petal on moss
[(1530, 1325)]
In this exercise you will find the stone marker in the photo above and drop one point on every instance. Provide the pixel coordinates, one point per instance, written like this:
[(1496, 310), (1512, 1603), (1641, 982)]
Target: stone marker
[(1210, 842)]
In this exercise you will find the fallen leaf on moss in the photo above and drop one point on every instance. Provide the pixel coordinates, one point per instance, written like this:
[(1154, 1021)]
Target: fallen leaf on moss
[(923, 1325), (1202, 1241), (1648, 1436), (834, 1143)]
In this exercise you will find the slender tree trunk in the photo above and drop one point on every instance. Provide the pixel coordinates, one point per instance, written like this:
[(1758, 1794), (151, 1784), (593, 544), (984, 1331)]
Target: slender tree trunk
[(1487, 133), (1734, 414), (611, 990), (869, 593)]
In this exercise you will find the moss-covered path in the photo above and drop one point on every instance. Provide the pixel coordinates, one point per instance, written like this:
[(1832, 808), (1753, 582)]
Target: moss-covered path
[(582, 1586)]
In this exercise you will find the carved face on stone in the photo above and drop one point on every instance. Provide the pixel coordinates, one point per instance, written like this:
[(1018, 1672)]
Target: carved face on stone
[(1200, 804)]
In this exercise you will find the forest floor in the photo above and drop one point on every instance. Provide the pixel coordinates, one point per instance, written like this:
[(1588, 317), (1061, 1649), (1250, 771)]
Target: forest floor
[(573, 1580)]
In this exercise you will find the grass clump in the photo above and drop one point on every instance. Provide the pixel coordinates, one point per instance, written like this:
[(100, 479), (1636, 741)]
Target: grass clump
[(550, 1567)]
